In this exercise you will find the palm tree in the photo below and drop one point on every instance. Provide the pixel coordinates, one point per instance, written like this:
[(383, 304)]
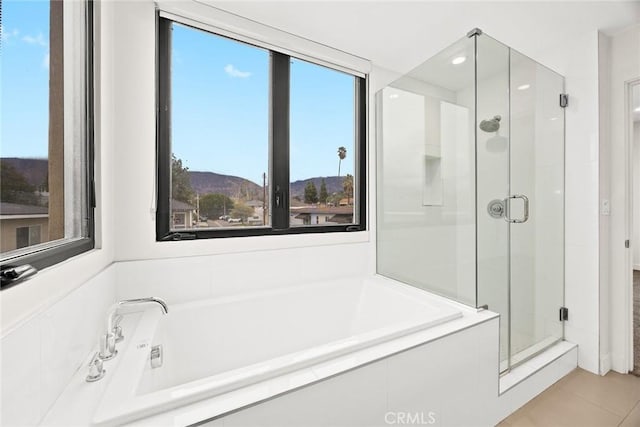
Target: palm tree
[(342, 153), (347, 186)]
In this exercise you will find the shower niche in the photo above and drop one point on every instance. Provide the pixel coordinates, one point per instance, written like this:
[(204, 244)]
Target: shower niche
[(471, 187)]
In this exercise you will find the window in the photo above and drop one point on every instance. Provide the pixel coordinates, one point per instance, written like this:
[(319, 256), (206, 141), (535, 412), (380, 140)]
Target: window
[(252, 141), (46, 200), (27, 236)]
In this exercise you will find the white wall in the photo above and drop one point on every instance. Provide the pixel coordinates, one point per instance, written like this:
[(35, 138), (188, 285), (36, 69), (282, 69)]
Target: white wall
[(622, 64), (636, 196), (429, 246), (604, 55), (41, 356), (576, 58), (25, 301)]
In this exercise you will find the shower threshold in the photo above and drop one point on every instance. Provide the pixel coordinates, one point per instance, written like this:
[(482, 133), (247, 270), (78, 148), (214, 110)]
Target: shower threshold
[(522, 357), (533, 364)]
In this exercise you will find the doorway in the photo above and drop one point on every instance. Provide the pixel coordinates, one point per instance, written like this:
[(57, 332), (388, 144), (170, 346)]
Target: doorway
[(634, 223)]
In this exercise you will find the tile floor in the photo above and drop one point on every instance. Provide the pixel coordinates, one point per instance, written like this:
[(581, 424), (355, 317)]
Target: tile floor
[(582, 399)]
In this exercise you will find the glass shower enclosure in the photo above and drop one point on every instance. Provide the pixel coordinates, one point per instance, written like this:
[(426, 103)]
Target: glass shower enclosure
[(471, 187)]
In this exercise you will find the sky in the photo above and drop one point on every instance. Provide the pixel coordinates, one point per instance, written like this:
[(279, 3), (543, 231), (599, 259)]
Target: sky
[(24, 79), (220, 92)]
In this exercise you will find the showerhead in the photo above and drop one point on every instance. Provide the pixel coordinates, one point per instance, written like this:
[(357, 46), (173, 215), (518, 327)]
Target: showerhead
[(491, 125)]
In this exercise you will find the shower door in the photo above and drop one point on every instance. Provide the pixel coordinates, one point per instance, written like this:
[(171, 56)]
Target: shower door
[(520, 198), (536, 207), (471, 187)]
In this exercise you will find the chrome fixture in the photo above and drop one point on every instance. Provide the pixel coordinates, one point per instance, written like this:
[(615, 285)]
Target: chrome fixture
[(500, 208), (96, 369), (107, 347), (507, 216), (114, 330), (496, 208), (491, 125), (156, 356), (10, 276), (117, 329)]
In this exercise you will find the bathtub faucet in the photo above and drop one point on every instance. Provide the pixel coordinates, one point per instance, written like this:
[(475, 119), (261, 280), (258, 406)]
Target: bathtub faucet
[(114, 331)]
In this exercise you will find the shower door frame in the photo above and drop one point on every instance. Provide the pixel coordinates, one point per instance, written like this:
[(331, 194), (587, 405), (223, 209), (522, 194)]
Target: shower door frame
[(509, 360)]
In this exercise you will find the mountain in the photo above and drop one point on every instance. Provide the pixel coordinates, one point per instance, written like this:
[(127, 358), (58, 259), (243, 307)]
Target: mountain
[(333, 183), (35, 171), (232, 186)]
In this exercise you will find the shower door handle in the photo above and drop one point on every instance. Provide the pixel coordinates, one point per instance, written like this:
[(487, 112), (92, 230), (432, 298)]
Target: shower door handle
[(507, 209)]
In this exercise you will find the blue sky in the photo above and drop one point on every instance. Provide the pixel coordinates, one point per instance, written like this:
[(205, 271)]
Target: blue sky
[(220, 110), (220, 101), (24, 79)]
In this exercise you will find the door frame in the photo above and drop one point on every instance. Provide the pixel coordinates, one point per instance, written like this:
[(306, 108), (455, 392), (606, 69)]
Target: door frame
[(629, 225)]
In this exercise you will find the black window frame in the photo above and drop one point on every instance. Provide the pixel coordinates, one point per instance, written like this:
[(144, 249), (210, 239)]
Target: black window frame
[(279, 166), (46, 256)]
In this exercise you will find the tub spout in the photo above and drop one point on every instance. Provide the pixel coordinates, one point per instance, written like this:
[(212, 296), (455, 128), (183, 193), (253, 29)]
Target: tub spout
[(108, 349), (114, 308)]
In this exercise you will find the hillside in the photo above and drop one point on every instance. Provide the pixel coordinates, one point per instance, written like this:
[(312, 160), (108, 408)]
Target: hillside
[(35, 171), (333, 183), (232, 186)]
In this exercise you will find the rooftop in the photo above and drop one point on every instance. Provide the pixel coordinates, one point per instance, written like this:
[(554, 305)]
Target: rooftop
[(18, 209)]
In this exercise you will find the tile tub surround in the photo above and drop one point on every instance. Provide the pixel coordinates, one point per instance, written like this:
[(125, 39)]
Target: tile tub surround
[(444, 368), (375, 296), (215, 346), (40, 356)]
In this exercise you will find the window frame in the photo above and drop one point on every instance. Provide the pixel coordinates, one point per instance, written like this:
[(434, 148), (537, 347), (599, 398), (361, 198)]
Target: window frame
[(50, 253), (279, 145)]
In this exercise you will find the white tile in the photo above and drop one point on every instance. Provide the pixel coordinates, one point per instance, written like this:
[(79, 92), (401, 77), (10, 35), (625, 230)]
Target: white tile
[(306, 407), (70, 331), (175, 280), (417, 383), (21, 370), (359, 397), (581, 286), (588, 350)]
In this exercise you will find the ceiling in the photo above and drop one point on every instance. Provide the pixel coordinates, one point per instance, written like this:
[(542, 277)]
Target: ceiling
[(399, 35)]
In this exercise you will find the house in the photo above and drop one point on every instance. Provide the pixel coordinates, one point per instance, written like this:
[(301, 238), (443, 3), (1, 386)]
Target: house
[(22, 225), (183, 215), (320, 215)]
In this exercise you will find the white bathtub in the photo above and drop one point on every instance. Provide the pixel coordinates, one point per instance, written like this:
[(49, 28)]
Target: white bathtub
[(215, 346)]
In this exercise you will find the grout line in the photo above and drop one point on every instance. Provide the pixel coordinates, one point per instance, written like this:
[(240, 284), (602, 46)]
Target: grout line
[(637, 405)]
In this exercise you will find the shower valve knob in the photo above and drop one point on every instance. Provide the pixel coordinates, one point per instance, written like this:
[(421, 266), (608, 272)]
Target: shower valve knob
[(496, 208)]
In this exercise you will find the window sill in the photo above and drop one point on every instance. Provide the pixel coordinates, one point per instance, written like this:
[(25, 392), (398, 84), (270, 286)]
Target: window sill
[(138, 250)]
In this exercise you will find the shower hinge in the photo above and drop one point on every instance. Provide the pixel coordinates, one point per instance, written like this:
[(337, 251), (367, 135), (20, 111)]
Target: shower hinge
[(627, 243), (474, 32), (564, 314), (564, 100)]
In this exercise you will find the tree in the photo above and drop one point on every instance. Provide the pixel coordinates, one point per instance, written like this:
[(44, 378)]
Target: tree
[(342, 153), (180, 181), (324, 195), (15, 188), (214, 205), (242, 211), (347, 185), (310, 193)]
